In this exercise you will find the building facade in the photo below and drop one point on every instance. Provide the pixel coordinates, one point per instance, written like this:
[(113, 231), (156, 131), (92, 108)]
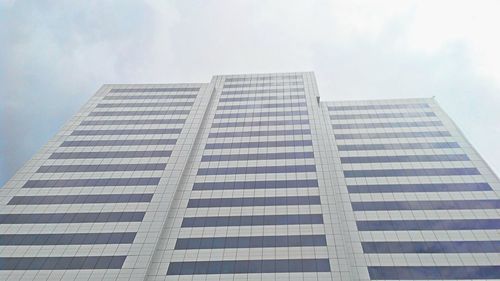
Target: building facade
[(251, 177)]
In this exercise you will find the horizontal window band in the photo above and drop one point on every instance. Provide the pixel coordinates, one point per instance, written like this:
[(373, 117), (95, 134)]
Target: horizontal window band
[(133, 122), (257, 156), (150, 90), (257, 170), (395, 146), (253, 201), (260, 123), (260, 114), (302, 132), (139, 113), (258, 144), (228, 185), (404, 158), (268, 91), (81, 199), (377, 106), (410, 172), (388, 125), (381, 115), (251, 242), (248, 266), (91, 182), (67, 239), (155, 97), (430, 247), (433, 272), (263, 84), (262, 78), (393, 135), (430, 187), (426, 205), (395, 225), (125, 132), (257, 106), (263, 98), (71, 217), (119, 142), (252, 220), (62, 263), (144, 104), (101, 168), (110, 154)]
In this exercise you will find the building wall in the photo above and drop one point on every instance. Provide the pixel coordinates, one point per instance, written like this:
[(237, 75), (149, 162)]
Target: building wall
[(251, 177)]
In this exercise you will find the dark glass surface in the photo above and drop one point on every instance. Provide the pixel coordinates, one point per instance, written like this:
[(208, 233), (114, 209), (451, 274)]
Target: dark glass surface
[(405, 158), (395, 146), (81, 199), (257, 156), (253, 201), (118, 142), (71, 217), (251, 220), (434, 187), (426, 205), (91, 182), (259, 133), (227, 185), (101, 168), (257, 144), (248, 266), (67, 239), (465, 224), (125, 132), (257, 170), (110, 154), (411, 172), (433, 272), (260, 123), (251, 242), (432, 247)]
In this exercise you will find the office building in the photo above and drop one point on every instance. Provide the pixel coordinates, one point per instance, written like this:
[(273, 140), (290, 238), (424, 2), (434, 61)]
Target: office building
[(251, 177)]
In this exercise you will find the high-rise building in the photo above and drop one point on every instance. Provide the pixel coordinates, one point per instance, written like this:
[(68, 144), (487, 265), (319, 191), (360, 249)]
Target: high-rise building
[(251, 177)]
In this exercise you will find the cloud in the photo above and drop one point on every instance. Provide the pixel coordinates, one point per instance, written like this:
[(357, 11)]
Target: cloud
[(57, 55)]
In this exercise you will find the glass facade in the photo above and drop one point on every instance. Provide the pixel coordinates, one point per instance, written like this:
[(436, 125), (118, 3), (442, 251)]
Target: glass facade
[(251, 177)]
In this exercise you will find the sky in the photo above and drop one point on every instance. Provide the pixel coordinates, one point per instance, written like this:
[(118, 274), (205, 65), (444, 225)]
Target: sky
[(54, 55)]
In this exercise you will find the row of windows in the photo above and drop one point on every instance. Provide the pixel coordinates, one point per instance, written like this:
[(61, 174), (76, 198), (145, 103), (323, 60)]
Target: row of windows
[(62, 263), (432, 247), (67, 239), (156, 97), (260, 123), (264, 78), (381, 115), (433, 272), (405, 158), (258, 156), (260, 114), (118, 142), (287, 97), (393, 135), (125, 132), (144, 104), (149, 90), (411, 172), (395, 225), (430, 187), (248, 266), (110, 154), (133, 122), (259, 106), (142, 112), (81, 199), (259, 133), (270, 184), (252, 220), (101, 168), (257, 144), (377, 106), (263, 91), (426, 205), (388, 125), (250, 242), (262, 84), (253, 201), (257, 170), (394, 146), (71, 217), (91, 182)]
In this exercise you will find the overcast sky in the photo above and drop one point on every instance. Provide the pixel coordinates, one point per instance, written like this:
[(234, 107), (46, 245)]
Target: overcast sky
[(55, 54)]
